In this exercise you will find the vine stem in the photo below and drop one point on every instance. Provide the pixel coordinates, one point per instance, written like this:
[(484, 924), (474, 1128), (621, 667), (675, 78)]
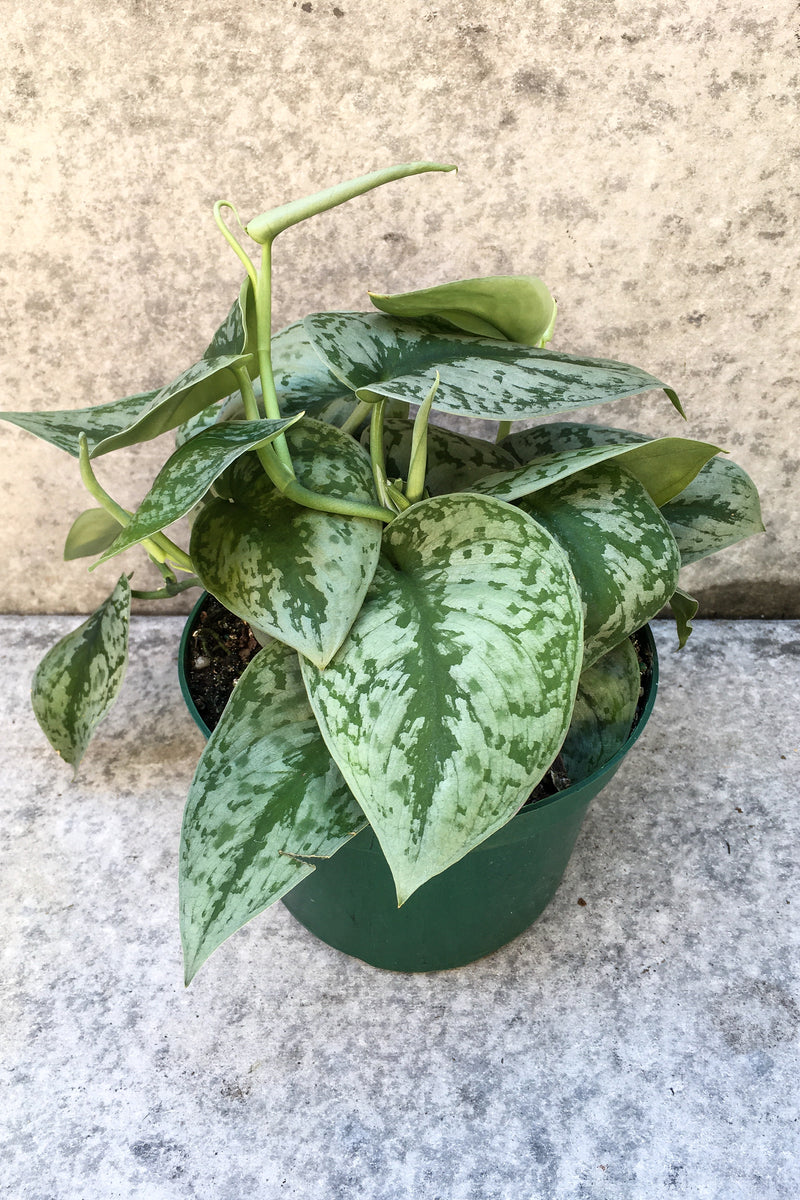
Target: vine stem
[(158, 546), (286, 482), (358, 414), (264, 338)]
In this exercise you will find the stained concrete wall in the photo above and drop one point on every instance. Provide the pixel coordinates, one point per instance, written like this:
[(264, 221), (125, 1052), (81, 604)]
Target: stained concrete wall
[(641, 157)]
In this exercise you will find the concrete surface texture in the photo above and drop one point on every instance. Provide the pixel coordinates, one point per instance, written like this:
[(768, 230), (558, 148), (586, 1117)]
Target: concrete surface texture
[(640, 1040), (640, 157)]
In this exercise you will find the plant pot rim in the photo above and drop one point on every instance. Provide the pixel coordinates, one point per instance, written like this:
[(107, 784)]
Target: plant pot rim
[(605, 770)]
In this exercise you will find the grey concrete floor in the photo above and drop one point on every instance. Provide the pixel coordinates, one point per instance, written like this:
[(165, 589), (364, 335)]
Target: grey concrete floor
[(641, 1044)]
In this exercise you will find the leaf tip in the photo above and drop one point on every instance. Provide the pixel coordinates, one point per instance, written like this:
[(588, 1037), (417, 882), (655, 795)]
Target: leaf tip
[(672, 395)]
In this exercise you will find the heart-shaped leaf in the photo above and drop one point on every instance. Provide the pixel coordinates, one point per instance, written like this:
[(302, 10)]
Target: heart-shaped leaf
[(78, 680), (455, 461), (619, 546), (453, 692), (608, 693), (518, 308), (379, 356), (188, 474), (719, 508), (551, 452), (297, 574), (265, 789), (91, 533)]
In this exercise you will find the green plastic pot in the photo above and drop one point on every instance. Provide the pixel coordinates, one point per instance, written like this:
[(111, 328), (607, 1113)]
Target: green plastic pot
[(478, 905)]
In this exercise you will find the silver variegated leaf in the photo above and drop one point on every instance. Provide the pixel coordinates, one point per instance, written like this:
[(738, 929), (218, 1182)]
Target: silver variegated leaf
[(608, 693), (237, 334), (455, 461), (719, 508), (453, 692), (61, 427), (265, 790), (90, 534), (145, 415), (619, 546), (303, 382), (297, 574), (379, 356), (202, 384), (200, 421), (188, 474), (78, 680), (551, 452)]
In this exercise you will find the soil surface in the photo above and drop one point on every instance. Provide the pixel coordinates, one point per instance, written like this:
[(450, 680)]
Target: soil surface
[(221, 645), (219, 648)]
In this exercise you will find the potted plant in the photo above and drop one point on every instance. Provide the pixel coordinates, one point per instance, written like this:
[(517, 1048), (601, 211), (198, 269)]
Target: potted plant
[(441, 618)]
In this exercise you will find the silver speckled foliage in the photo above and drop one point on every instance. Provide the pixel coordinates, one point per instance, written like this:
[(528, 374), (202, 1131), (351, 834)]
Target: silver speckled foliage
[(440, 615)]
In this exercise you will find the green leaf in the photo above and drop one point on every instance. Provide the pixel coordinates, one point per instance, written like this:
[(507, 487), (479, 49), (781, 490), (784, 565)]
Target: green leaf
[(551, 452), (719, 508), (379, 356), (78, 680), (298, 574), (608, 693), (516, 307), (684, 610), (188, 474), (145, 415), (455, 462), (619, 546), (265, 790), (90, 534), (453, 692)]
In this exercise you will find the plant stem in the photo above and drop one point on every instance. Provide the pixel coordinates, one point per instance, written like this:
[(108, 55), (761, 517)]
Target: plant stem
[(264, 337), (171, 589), (236, 246), (286, 481), (358, 414), (159, 546), (503, 430)]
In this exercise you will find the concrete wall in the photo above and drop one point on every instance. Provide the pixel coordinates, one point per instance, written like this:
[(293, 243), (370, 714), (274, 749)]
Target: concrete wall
[(641, 157)]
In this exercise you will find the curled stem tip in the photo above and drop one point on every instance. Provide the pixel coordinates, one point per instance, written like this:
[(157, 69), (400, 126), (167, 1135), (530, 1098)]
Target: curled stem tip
[(235, 245)]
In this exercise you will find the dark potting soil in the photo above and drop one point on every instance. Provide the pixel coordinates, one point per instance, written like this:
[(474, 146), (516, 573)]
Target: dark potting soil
[(219, 648), (221, 645)]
